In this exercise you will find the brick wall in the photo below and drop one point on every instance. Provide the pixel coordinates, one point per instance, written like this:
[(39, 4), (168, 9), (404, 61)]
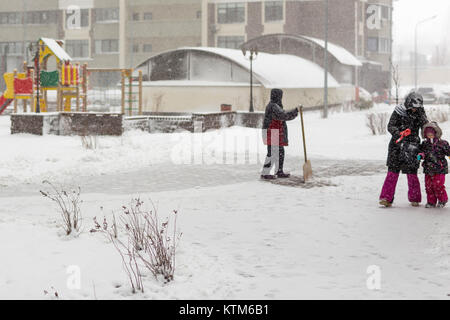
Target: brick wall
[(66, 124)]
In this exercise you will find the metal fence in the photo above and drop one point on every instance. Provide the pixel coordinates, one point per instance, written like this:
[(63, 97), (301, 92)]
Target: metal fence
[(114, 90)]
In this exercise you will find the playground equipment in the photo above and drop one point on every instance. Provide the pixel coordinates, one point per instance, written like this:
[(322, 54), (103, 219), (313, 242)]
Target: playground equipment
[(70, 81)]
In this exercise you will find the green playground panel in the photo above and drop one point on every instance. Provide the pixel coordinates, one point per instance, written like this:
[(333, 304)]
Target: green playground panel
[(49, 79)]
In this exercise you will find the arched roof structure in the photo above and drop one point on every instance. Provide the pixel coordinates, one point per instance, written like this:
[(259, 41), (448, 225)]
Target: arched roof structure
[(204, 64)]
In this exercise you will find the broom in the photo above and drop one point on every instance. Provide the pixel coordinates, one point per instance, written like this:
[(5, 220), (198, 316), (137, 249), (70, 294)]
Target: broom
[(307, 169)]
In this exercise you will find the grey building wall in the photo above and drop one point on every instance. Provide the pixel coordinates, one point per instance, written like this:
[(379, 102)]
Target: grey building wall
[(173, 24)]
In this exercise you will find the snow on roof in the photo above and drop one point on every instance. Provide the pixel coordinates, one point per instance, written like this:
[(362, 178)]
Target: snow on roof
[(365, 60), (57, 50), (277, 71), (194, 83), (341, 54)]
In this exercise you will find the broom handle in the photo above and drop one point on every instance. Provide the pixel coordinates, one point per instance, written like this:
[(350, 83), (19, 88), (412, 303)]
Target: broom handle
[(303, 133)]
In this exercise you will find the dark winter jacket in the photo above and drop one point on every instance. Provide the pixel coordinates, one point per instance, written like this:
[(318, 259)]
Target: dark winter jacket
[(435, 152), (275, 119), (402, 156)]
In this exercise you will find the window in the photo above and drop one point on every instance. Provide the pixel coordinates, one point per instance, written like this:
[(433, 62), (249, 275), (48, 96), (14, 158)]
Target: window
[(107, 46), (169, 66), (273, 10), (41, 17), (10, 18), (199, 14), (385, 12), (372, 44), (148, 48), (11, 48), (384, 46), (84, 18), (380, 45), (107, 15), (136, 16), (77, 48), (232, 42), (231, 12), (148, 16), (135, 48)]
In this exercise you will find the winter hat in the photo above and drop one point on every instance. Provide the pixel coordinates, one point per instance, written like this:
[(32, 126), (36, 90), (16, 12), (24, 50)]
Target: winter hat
[(275, 96), (413, 100), (433, 126)]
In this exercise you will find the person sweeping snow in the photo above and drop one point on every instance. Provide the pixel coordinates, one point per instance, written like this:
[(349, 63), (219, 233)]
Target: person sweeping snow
[(275, 135), (433, 151), (404, 126)]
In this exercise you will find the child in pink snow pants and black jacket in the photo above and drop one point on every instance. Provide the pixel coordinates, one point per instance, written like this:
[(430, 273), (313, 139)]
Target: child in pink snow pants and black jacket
[(405, 124), (434, 151)]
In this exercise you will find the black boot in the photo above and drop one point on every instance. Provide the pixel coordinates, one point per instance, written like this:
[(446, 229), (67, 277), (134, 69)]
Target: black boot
[(281, 174), (268, 177)]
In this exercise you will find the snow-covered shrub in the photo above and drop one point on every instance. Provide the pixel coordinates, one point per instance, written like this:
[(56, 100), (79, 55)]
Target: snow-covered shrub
[(364, 104), (89, 142), (148, 244), (126, 250), (154, 242), (129, 261), (69, 206), (377, 122), (105, 227), (437, 114)]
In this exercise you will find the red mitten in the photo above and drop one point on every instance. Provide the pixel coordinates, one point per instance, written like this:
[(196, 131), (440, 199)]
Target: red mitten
[(403, 134), (406, 133)]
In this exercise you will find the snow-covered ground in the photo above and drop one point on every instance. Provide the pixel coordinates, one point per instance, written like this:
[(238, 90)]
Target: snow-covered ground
[(242, 238)]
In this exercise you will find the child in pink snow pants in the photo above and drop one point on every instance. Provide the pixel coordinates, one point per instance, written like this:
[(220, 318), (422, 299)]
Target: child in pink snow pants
[(434, 151), (404, 125)]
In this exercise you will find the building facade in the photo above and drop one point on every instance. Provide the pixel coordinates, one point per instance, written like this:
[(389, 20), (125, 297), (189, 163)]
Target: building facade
[(363, 27), (103, 33), (123, 33)]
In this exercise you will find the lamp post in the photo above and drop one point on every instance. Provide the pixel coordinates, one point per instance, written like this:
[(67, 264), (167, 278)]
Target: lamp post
[(415, 48), (253, 53), (37, 67), (325, 94)]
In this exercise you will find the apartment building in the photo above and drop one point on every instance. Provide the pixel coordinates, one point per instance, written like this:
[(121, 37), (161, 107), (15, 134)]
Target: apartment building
[(104, 33), (123, 33), (363, 27)]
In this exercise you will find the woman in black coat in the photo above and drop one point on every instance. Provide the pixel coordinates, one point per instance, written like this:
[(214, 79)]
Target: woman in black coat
[(405, 124), (275, 135)]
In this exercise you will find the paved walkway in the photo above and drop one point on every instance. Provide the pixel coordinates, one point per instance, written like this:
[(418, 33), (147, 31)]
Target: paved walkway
[(168, 177)]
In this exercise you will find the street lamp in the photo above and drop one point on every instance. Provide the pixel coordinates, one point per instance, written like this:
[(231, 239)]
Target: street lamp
[(415, 48), (37, 67), (325, 91), (253, 53)]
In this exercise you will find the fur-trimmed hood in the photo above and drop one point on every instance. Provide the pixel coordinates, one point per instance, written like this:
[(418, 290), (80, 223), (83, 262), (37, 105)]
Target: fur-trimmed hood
[(435, 126)]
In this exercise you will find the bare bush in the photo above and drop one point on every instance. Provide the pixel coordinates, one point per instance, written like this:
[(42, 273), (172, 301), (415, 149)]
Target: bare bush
[(105, 227), (128, 254), (377, 122), (149, 242), (153, 241), (69, 206), (89, 142), (437, 114)]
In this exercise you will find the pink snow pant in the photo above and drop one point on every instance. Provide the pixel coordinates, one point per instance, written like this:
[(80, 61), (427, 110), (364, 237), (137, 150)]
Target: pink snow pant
[(390, 183), (435, 187)]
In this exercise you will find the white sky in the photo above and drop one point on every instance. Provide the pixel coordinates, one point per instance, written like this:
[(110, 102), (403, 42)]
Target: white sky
[(431, 33)]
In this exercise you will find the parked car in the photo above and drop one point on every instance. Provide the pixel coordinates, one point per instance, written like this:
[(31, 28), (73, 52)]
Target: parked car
[(443, 96), (364, 94), (429, 95)]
